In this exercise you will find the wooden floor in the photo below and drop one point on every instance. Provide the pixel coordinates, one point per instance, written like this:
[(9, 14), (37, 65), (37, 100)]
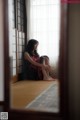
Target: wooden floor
[(23, 92)]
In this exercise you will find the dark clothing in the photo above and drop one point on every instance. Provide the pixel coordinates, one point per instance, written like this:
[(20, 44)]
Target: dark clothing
[(30, 71)]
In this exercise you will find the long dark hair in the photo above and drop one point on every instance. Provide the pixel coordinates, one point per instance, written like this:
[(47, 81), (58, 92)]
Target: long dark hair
[(30, 47)]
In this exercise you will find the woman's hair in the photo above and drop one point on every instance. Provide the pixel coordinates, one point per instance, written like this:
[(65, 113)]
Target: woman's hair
[(30, 47)]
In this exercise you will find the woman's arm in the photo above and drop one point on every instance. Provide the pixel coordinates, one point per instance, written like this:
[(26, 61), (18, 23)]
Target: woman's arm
[(27, 57)]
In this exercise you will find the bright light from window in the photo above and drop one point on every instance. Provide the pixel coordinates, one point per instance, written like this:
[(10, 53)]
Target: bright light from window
[(44, 25)]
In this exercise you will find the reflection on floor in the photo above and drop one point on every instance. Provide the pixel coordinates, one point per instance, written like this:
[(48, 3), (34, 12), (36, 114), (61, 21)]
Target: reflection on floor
[(24, 92)]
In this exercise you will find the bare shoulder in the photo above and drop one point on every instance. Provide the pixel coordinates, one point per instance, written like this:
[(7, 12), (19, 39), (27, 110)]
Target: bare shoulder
[(26, 54)]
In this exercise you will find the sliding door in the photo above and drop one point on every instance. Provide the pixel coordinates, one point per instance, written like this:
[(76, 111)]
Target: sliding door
[(17, 33)]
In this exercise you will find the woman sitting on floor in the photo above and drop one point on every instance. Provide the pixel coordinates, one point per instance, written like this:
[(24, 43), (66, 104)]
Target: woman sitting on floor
[(35, 67)]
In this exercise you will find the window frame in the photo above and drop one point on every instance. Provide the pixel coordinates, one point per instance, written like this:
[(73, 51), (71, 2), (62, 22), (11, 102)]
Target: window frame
[(63, 73)]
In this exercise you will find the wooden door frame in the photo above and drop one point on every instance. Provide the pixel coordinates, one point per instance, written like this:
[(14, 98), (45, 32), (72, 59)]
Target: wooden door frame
[(63, 74)]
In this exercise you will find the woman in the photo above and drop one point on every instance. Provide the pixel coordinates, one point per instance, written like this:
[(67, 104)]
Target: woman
[(33, 63)]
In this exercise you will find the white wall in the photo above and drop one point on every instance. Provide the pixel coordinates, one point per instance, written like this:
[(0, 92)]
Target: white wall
[(74, 61), (12, 40), (10, 10), (1, 52)]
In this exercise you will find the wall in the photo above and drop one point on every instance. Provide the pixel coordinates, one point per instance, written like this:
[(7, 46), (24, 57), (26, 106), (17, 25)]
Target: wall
[(12, 32), (1, 52), (74, 61)]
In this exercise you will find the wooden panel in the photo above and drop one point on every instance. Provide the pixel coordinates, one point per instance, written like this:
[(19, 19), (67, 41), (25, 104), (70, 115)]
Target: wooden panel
[(14, 79)]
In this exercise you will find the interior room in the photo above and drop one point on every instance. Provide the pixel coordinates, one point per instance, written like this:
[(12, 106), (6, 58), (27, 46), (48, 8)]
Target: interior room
[(33, 19), (56, 98)]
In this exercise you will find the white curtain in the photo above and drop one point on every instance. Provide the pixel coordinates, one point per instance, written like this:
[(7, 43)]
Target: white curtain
[(43, 24)]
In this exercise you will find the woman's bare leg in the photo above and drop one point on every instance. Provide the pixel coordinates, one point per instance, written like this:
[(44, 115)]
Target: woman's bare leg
[(46, 75)]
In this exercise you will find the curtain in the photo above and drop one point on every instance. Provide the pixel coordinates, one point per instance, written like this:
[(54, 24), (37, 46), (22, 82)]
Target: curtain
[(43, 24)]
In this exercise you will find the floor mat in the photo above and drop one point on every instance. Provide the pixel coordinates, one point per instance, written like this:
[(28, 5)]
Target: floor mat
[(48, 100)]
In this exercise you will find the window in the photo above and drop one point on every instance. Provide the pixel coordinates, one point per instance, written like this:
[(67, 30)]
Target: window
[(17, 30), (19, 7), (44, 25)]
